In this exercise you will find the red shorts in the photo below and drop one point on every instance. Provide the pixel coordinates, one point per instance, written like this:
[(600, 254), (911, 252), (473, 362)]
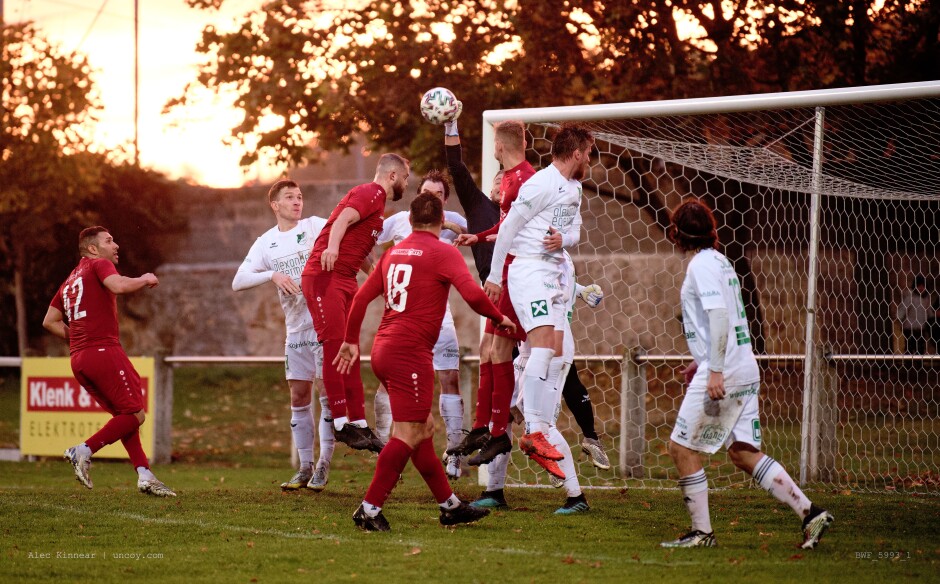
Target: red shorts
[(504, 304), (409, 377), (108, 376), (328, 299)]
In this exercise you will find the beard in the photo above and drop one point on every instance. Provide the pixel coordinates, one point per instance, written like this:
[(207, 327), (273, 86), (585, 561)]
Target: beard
[(580, 172), (398, 191)]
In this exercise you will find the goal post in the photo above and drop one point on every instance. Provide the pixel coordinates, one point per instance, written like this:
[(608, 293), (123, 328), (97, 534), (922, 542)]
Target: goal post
[(828, 205)]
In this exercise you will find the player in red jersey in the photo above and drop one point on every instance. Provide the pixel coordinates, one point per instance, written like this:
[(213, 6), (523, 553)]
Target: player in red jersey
[(414, 277), (329, 283), (84, 313), (497, 376)]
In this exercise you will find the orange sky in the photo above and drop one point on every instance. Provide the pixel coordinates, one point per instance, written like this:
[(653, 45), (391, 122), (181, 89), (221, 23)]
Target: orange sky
[(186, 144)]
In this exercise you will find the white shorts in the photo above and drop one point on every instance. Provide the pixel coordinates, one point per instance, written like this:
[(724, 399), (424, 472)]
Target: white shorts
[(705, 425), (537, 297), (446, 349), (303, 356)]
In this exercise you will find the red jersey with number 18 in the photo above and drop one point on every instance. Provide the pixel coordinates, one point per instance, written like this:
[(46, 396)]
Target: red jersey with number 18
[(415, 277), (90, 309)]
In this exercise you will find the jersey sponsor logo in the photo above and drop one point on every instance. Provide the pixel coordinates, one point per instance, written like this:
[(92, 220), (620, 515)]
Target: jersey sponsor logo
[(291, 265), (539, 308), (303, 344), (709, 293), (713, 435), (407, 251), (564, 216), (273, 245), (747, 391)]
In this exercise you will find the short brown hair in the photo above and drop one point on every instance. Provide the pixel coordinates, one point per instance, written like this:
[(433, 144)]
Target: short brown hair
[(426, 211), (569, 139), (693, 227), (436, 176), (275, 191), (391, 161), (89, 237), (511, 133)]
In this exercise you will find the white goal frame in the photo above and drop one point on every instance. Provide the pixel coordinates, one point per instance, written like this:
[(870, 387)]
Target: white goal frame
[(811, 467)]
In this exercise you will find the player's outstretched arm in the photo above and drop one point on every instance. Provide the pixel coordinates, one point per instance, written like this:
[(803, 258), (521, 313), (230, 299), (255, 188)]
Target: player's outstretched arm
[(54, 322), (509, 227), (347, 355), (357, 312), (119, 284), (254, 271), (346, 217)]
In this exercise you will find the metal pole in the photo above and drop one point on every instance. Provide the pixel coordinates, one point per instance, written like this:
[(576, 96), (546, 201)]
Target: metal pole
[(810, 431), (136, 80)]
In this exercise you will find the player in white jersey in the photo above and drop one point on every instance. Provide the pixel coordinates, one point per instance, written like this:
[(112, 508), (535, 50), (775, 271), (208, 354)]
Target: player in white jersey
[(720, 407), (543, 220), (575, 502), (446, 350), (279, 256)]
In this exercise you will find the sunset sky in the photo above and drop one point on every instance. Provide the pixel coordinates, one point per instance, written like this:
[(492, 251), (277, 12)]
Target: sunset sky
[(186, 144)]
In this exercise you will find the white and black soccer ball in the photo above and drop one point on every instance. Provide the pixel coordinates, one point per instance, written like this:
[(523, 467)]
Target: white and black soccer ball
[(439, 106)]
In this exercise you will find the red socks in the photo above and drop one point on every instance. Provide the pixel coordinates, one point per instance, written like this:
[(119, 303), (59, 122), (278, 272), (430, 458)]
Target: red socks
[(484, 396), (504, 380), (388, 468), (116, 429)]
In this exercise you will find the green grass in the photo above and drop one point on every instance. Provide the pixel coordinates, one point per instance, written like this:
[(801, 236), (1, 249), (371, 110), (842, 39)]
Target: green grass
[(236, 522), (232, 522)]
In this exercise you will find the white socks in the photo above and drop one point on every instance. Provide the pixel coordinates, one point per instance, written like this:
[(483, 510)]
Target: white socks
[(451, 408), (451, 502), (145, 474), (339, 422), (301, 426), (773, 478), (497, 470), (370, 509), (538, 396), (695, 494), (572, 485), (327, 440), (383, 415)]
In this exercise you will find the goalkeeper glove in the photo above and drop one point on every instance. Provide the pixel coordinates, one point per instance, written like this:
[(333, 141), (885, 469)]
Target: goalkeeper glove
[(592, 295), (450, 128)]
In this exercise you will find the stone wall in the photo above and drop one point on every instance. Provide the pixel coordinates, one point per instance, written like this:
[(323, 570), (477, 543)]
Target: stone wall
[(195, 312)]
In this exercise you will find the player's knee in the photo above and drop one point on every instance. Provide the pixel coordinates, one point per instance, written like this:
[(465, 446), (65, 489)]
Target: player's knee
[(743, 455), (141, 416)]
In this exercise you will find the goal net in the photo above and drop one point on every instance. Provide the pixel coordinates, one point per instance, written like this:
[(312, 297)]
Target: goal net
[(828, 205)]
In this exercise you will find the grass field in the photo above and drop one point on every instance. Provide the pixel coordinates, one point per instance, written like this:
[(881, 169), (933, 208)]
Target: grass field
[(232, 523)]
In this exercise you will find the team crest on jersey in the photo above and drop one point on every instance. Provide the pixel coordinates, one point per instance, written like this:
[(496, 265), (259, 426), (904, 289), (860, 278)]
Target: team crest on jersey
[(302, 238), (539, 308)]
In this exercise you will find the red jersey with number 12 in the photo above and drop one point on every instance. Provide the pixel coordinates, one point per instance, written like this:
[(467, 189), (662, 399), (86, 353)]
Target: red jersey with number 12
[(369, 201), (415, 277), (90, 309)]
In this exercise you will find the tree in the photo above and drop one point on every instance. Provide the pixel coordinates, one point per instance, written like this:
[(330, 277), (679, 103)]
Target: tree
[(45, 171), (330, 73)]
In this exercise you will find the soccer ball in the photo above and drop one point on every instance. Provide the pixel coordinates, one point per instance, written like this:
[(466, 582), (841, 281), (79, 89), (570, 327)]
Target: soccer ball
[(439, 106)]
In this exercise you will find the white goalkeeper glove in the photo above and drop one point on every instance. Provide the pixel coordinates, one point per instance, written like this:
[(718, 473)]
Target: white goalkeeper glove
[(450, 128), (591, 294)]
